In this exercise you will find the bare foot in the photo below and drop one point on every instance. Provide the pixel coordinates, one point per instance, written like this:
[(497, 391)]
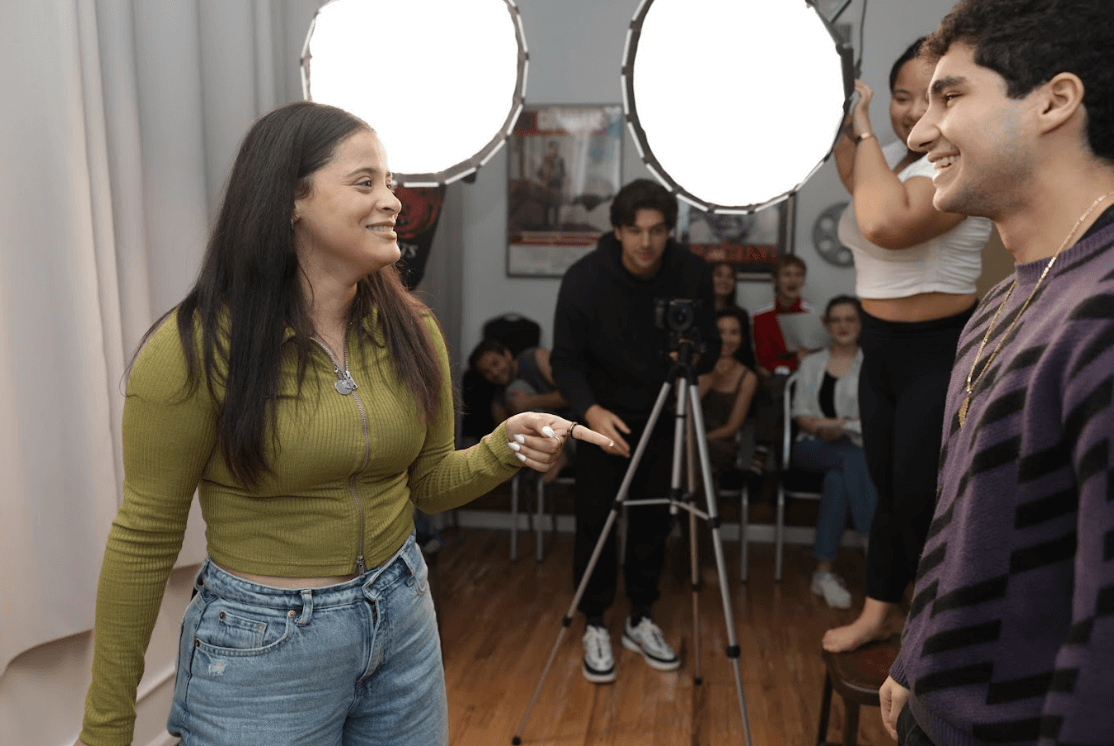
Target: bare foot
[(555, 469), (870, 626), (853, 636)]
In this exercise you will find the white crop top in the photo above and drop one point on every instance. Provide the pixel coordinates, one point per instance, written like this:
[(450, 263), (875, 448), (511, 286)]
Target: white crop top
[(949, 263)]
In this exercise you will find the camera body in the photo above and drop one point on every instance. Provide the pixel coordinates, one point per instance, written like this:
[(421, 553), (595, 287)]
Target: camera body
[(678, 317), (675, 314)]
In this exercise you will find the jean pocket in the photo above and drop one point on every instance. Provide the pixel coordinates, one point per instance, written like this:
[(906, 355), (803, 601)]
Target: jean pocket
[(236, 629)]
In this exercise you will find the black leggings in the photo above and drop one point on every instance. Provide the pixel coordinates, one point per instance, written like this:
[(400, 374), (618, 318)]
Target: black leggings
[(902, 388)]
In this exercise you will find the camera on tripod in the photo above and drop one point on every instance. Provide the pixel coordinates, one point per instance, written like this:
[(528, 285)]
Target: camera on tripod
[(678, 317)]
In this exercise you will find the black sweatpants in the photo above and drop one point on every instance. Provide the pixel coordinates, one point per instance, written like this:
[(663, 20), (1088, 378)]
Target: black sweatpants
[(902, 388), (598, 477)]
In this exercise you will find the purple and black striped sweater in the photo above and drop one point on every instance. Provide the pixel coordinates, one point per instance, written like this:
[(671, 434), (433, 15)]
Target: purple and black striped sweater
[(1010, 637)]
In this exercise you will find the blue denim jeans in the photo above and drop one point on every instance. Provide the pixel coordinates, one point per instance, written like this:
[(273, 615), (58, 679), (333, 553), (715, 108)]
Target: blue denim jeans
[(353, 664), (847, 486)]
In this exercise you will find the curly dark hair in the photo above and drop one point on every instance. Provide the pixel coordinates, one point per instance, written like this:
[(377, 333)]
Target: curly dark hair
[(484, 347), (1028, 42), (643, 194)]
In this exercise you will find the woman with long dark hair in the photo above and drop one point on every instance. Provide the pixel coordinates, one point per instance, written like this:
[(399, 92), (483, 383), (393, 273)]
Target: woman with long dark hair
[(307, 397), (915, 271), (726, 391), (723, 289)]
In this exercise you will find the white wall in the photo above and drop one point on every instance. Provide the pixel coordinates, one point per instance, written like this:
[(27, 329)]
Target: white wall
[(575, 54)]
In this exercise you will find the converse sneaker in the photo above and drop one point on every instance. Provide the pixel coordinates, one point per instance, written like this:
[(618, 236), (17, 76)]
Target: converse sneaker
[(831, 587), (646, 638), (598, 664)]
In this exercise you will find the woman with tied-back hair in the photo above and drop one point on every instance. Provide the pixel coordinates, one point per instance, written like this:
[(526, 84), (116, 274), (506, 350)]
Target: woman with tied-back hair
[(915, 272), (307, 397)]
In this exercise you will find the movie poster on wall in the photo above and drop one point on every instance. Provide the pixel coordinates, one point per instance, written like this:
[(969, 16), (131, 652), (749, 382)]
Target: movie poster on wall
[(749, 243), (564, 164)]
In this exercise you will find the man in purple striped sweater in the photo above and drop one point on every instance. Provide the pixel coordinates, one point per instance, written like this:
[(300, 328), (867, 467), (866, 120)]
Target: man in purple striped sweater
[(1010, 636)]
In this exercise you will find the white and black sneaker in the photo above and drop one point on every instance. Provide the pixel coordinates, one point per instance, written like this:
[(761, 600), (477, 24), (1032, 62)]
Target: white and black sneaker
[(598, 664), (646, 638)]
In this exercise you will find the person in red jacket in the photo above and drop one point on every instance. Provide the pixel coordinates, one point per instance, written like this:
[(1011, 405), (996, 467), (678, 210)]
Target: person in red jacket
[(775, 362), (769, 345)]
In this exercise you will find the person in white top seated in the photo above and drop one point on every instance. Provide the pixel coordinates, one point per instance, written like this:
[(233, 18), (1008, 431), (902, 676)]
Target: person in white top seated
[(829, 442), (916, 269)]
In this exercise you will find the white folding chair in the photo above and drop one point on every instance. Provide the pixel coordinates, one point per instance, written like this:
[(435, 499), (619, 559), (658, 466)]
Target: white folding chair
[(791, 483)]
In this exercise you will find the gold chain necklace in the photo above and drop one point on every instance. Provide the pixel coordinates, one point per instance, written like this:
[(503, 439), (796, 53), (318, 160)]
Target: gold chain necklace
[(972, 382)]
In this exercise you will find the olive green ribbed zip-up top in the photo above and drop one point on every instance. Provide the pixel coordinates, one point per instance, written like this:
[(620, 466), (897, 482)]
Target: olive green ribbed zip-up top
[(343, 467)]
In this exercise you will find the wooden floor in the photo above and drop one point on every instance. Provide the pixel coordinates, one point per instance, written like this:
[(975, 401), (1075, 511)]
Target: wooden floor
[(499, 621)]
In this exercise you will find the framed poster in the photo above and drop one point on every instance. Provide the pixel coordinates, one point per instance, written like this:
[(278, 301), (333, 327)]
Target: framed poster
[(563, 168), (750, 243)]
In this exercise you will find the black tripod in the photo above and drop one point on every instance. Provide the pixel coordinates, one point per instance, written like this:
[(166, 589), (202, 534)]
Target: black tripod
[(689, 418)]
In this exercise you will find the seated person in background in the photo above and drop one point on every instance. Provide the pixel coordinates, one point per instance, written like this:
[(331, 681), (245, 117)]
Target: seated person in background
[(771, 354), (525, 385), (726, 392), (826, 409), (723, 285), (525, 382), (769, 344)]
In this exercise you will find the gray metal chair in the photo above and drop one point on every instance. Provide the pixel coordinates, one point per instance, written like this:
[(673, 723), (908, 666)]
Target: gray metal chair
[(521, 485), (791, 483), (744, 441), (567, 480)]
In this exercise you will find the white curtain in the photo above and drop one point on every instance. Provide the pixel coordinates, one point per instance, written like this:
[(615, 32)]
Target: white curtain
[(119, 123)]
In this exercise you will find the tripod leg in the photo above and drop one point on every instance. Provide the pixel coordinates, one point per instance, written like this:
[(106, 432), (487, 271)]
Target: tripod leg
[(717, 545), (694, 543), (566, 622)]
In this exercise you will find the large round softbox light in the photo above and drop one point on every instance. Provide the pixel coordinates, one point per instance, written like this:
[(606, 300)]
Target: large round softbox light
[(734, 104), (442, 81)]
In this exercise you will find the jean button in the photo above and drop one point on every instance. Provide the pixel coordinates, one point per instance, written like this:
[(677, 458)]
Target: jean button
[(290, 613)]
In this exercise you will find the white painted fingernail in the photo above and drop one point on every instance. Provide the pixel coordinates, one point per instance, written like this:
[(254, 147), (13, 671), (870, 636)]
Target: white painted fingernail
[(515, 447), (611, 444), (547, 431), (521, 457), (520, 438)]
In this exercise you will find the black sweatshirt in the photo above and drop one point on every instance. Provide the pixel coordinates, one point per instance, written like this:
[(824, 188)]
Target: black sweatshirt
[(607, 349)]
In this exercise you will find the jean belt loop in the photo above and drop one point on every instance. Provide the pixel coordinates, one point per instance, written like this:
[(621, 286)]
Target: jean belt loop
[(199, 579), (408, 560), (307, 607)]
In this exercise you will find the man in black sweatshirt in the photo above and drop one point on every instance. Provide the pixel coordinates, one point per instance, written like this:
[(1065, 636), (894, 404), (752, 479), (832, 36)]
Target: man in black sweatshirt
[(610, 359)]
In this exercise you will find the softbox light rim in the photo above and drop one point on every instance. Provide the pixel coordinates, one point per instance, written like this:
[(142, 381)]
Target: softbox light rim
[(469, 166), (645, 151)]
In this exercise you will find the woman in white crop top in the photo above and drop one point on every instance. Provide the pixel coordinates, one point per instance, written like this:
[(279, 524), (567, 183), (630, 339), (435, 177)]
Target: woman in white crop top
[(916, 269)]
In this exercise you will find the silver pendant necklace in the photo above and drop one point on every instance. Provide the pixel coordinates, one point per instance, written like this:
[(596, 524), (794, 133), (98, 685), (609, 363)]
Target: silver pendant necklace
[(344, 385)]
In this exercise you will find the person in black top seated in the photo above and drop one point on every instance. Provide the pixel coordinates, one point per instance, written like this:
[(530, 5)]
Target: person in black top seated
[(523, 383), (610, 361), (727, 391)]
